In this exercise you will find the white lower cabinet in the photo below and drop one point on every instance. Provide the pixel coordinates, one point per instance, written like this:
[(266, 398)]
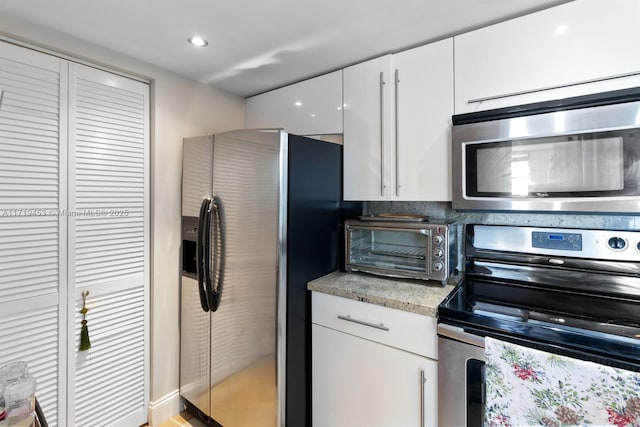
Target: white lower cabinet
[(360, 377)]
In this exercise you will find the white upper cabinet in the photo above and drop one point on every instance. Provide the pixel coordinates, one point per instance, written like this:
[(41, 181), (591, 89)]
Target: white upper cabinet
[(397, 122), (424, 99), (582, 47), (311, 107), (367, 130)]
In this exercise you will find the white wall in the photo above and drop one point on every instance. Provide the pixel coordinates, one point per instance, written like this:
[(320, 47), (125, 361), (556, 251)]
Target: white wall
[(179, 108)]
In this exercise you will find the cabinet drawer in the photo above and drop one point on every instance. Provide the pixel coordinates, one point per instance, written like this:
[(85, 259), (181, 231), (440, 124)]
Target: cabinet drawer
[(401, 329)]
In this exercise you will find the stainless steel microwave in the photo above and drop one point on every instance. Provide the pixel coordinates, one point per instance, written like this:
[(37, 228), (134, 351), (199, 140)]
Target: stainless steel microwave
[(577, 154), (403, 249)]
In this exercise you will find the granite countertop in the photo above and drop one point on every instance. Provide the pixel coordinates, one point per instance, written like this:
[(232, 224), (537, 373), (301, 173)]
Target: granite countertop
[(408, 295)]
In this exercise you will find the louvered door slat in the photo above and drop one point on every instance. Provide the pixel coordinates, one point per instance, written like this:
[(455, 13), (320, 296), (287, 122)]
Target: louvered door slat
[(44, 164), (120, 249), (108, 177), (32, 243), (33, 337), (119, 106), (21, 117), (117, 359), (22, 62), (18, 140), (48, 113), (111, 146), (109, 124), (92, 141), (103, 116)]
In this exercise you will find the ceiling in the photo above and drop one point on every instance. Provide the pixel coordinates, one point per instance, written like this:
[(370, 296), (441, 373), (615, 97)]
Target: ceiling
[(258, 45)]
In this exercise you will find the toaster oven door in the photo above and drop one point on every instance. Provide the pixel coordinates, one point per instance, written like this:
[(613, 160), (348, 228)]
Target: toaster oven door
[(396, 252)]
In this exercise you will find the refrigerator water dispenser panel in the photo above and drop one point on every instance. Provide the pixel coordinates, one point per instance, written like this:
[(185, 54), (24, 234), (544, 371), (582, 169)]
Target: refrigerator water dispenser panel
[(189, 247)]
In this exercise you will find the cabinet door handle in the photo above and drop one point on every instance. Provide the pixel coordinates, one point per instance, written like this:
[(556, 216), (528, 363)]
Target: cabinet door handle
[(348, 318), (423, 380), (382, 83), (542, 89), (397, 108)]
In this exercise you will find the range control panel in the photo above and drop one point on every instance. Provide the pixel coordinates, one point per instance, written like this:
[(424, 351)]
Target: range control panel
[(579, 243), (560, 241)]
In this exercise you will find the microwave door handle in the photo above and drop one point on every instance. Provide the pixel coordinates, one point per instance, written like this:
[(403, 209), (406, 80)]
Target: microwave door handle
[(219, 245), (200, 257)]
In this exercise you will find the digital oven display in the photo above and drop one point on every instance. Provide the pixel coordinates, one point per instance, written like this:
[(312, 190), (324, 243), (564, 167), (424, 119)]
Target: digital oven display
[(557, 241)]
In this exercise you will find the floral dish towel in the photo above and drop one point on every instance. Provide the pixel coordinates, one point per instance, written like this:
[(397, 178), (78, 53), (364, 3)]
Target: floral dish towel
[(527, 387)]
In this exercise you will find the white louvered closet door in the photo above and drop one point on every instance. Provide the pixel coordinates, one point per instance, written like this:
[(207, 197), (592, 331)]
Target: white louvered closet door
[(108, 247), (33, 152)]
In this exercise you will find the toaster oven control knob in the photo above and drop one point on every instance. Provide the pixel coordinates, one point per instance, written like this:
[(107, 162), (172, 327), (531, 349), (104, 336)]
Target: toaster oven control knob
[(438, 239), (617, 243), (438, 253), (438, 266)]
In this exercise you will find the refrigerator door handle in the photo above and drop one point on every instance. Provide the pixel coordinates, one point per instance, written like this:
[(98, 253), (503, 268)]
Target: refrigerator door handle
[(200, 270), (217, 212), (207, 260)]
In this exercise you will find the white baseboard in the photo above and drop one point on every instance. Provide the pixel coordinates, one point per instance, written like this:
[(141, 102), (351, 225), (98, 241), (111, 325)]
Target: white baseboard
[(163, 409)]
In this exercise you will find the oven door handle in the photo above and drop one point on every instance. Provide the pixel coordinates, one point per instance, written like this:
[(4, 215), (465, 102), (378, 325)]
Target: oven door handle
[(458, 334), (423, 231)]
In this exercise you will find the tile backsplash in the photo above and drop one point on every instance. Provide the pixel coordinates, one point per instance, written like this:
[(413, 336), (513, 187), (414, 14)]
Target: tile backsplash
[(443, 210)]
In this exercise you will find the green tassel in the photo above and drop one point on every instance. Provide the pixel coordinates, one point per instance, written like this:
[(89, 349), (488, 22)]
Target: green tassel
[(85, 344)]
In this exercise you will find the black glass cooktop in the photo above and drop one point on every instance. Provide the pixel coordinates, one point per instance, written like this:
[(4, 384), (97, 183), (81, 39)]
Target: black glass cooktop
[(574, 323)]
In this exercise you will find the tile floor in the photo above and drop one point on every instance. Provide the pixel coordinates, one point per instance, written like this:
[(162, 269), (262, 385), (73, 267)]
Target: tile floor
[(183, 420), (252, 387)]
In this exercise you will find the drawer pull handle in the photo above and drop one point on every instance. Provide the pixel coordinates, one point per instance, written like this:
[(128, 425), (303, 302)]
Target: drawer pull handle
[(348, 318)]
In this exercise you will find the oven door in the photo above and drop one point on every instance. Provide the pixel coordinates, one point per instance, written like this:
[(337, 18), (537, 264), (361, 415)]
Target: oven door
[(578, 160), (460, 377)]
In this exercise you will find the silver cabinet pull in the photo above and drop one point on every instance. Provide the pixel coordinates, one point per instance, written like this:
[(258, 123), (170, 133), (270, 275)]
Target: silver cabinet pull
[(397, 81), (382, 83), (423, 380), (542, 89), (348, 318)]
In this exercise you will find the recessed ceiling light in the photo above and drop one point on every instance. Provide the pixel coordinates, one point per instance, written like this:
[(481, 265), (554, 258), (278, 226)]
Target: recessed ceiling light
[(298, 104), (197, 41)]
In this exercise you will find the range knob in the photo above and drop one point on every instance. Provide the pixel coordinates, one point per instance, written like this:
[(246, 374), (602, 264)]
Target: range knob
[(438, 253), (438, 239), (438, 266), (617, 243)]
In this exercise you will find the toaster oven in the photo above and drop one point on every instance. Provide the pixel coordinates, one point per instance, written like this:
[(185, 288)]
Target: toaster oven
[(402, 249)]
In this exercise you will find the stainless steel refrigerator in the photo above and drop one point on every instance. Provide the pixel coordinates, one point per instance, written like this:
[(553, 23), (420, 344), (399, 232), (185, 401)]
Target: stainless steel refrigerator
[(261, 215)]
